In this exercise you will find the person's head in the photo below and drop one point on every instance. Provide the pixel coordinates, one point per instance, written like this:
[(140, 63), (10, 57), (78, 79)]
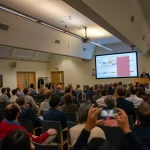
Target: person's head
[(32, 86), (120, 92), (21, 101), (26, 91), (78, 86), (130, 84), (68, 99), (101, 86), (143, 113), (68, 89), (58, 87), (18, 89), (110, 85), (110, 101), (120, 83), (104, 92), (47, 94), (137, 83), (17, 140), (14, 92), (4, 90), (54, 101), (133, 90), (98, 91), (140, 92), (8, 90), (12, 112), (115, 85), (98, 144), (91, 87), (83, 112)]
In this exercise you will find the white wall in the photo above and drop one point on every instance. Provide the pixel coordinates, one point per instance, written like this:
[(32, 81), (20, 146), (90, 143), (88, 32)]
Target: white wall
[(78, 71), (10, 75)]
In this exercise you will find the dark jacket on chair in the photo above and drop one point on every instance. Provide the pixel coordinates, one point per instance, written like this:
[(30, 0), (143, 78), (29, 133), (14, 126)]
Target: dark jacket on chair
[(29, 114), (127, 106), (55, 115)]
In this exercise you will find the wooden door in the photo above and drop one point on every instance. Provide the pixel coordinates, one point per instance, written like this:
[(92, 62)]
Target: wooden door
[(57, 77), (24, 79)]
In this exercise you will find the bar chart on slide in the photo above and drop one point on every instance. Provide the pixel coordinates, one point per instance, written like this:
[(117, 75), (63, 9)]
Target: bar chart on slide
[(116, 65)]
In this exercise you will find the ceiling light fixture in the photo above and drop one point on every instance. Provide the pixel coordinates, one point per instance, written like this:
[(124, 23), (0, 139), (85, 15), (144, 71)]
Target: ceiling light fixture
[(50, 26)]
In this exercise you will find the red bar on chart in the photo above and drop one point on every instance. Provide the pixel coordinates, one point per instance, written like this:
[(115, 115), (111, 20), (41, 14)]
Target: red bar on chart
[(123, 66)]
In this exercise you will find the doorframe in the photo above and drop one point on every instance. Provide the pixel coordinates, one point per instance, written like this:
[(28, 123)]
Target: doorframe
[(58, 72), (27, 72)]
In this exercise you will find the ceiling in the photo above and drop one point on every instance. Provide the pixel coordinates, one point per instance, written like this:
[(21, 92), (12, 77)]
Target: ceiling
[(58, 13), (145, 5)]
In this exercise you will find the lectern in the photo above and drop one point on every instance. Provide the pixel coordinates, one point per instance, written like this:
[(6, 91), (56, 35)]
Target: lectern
[(142, 80)]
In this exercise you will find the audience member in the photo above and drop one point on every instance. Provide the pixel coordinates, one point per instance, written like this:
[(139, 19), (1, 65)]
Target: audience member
[(124, 104), (14, 96), (17, 140), (4, 97), (128, 89), (147, 89), (32, 89), (110, 89), (8, 92), (29, 99), (82, 118), (78, 89), (110, 102), (101, 86), (42, 89), (141, 93), (115, 86), (69, 107), (44, 106), (120, 83), (98, 95), (90, 93), (28, 113), (68, 89), (133, 98), (54, 114), (101, 102), (58, 90), (10, 123), (19, 93)]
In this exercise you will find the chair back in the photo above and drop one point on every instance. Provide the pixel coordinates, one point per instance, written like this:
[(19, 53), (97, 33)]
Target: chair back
[(130, 118), (1, 143), (3, 105), (114, 136), (2, 114), (52, 124), (71, 117), (28, 124), (46, 147)]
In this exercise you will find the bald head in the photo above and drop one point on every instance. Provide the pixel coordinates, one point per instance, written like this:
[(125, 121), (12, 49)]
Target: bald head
[(12, 112)]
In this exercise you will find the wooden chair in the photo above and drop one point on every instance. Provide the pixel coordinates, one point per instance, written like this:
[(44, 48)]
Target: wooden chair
[(60, 138), (46, 147)]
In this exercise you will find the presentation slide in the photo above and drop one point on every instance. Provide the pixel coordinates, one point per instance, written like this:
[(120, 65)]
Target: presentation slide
[(116, 65)]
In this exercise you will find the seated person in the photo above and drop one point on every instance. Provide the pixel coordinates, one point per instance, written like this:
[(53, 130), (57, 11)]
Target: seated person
[(8, 92), (100, 102), (69, 89), (10, 123), (110, 89), (90, 93), (29, 99), (98, 95), (19, 92), (110, 102), (82, 118), (133, 98), (44, 106), (32, 89), (4, 97), (69, 107), (28, 113), (128, 89), (54, 114), (58, 90), (124, 104), (14, 96), (17, 140)]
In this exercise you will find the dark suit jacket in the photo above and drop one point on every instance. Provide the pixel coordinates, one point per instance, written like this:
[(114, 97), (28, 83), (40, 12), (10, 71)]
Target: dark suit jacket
[(74, 100), (127, 106), (29, 114), (147, 75), (55, 115), (90, 95)]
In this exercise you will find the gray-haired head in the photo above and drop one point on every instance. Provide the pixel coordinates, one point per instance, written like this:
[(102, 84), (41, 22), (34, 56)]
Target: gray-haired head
[(110, 101), (83, 112)]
